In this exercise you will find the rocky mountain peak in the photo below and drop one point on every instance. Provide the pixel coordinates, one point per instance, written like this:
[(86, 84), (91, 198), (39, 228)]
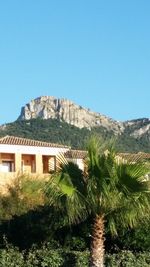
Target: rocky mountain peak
[(63, 109)]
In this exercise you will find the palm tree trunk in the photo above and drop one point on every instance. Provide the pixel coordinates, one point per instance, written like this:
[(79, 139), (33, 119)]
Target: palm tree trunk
[(97, 247)]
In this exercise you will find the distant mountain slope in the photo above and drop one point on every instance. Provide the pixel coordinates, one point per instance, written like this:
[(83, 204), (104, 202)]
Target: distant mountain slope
[(59, 120), (52, 130)]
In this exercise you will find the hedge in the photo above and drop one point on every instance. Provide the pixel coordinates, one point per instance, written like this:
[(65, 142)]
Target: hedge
[(44, 257)]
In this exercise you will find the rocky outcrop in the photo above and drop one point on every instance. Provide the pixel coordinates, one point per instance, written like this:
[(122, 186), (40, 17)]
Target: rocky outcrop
[(50, 107), (47, 107), (138, 128)]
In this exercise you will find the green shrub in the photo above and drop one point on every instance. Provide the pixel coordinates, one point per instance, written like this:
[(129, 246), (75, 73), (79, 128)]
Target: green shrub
[(11, 258), (137, 239), (128, 259), (23, 195), (45, 257), (82, 259), (59, 258), (76, 243)]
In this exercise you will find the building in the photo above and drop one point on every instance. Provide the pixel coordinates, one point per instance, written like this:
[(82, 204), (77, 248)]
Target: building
[(134, 157), (37, 158), (76, 156), (20, 155)]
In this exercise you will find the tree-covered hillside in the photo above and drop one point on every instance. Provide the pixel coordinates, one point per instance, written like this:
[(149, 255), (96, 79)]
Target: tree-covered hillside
[(52, 130)]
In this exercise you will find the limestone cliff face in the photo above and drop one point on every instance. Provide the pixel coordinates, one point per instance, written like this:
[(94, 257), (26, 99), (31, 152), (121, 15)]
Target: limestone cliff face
[(138, 128), (50, 107)]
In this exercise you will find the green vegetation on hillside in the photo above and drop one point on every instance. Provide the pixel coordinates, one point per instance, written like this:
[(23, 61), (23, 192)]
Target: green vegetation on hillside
[(52, 130)]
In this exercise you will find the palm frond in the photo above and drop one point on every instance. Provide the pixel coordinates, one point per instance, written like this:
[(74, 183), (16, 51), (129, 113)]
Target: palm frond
[(65, 190), (117, 190), (131, 178)]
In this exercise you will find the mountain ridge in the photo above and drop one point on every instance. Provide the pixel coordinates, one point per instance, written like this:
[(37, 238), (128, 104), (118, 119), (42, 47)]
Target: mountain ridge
[(47, 107), (65, 110), (51, 119)]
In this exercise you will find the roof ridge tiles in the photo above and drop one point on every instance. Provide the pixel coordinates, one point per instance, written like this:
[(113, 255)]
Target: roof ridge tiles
[(15, 140)]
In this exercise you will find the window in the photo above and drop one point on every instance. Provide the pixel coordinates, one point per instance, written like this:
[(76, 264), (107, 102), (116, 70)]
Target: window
[(49, 164), (7, 166), (7, 162)]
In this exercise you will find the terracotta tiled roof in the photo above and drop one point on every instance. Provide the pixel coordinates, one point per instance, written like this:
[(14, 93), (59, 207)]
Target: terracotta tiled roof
[(75, 154), (13, 140), (81, 154), (135, 156)]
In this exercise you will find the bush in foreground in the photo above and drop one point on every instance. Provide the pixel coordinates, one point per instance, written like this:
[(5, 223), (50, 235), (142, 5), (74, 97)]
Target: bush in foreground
[(44, 257)]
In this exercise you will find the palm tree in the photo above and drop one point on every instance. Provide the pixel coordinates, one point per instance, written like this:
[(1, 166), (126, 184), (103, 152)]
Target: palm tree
[(108, 190)]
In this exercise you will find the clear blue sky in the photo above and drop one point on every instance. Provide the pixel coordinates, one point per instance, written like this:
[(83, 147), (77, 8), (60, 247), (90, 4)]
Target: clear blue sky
[(93, 52)]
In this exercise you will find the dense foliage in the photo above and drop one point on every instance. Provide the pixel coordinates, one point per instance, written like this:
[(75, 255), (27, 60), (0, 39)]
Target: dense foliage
[(112, 192), (52, 130), (45, 257), (39, 236)]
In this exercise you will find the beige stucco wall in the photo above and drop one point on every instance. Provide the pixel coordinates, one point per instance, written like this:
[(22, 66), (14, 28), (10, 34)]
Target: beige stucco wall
[(39, 164), (24, 162), (8, 177), (6, 152), (18, 162)]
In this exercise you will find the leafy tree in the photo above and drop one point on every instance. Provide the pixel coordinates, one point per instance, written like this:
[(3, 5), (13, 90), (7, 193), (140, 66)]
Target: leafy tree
[(108, 190)]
